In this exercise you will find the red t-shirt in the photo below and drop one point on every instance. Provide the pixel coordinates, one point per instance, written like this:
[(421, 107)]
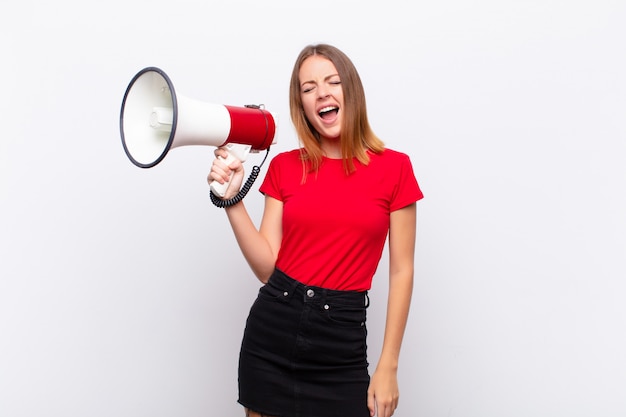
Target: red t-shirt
[(335, 225)]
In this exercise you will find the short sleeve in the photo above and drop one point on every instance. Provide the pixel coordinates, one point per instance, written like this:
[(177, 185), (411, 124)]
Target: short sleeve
[(270, 184), (407, 191)]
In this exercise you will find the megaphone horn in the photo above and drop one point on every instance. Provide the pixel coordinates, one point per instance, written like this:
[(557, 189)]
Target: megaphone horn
[(154, 119)]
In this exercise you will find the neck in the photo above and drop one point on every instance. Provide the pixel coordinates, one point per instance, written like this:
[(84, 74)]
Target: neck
[(331, 148)]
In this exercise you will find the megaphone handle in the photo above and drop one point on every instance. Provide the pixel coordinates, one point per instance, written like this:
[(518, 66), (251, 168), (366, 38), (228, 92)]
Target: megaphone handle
[(216, 187), (235, 151), (256, 170)]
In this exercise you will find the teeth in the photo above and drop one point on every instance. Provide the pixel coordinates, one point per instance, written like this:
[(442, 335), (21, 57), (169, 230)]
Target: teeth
[(325, 109)]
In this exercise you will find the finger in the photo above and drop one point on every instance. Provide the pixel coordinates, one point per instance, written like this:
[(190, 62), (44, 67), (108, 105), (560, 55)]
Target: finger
[(214, 177), (220, 152), (219, 172), (236, 165), (226, 169), (371, 404), (386, 408), (393, 406)]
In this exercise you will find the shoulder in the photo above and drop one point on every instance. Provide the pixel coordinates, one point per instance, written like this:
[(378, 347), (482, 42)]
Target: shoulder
[(286, 161), (392, 153), (288, 156), (394, 165), (390, 156), (292, 154)]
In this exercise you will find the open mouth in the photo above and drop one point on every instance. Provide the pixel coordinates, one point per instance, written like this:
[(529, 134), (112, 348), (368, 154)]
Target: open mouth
[(328, 112)]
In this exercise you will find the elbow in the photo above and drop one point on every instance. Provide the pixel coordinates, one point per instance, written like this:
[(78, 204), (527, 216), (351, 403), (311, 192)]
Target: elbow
[(264, 274)]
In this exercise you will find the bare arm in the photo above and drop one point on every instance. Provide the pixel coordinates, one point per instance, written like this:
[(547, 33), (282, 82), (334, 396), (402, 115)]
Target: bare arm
[(383, 393), (258, 246)]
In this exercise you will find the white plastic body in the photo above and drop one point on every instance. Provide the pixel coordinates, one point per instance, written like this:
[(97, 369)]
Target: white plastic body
[(235, 151)]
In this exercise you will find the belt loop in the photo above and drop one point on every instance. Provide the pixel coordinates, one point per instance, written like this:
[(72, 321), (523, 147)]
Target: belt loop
[(367, 300), (292, 287)]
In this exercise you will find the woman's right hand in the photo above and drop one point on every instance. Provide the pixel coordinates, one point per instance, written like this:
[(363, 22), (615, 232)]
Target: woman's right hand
[(221, 172)]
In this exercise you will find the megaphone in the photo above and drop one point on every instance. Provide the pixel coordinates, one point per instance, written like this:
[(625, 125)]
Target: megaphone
[(154, 119)]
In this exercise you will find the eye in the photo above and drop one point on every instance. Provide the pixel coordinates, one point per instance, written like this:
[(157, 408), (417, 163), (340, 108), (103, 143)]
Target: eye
[(335, 80), (307, 87)]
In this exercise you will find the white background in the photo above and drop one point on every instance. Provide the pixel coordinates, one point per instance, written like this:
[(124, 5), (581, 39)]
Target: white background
[(123, 292)]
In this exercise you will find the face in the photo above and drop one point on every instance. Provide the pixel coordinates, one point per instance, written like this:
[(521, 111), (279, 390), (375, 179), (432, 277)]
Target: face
[(322, 96)]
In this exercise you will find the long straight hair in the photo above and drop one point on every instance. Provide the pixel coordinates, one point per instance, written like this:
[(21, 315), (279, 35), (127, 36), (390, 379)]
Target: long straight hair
[(357, 137)]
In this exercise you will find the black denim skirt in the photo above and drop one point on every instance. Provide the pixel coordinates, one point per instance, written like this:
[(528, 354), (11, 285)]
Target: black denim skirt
[(304, 352)]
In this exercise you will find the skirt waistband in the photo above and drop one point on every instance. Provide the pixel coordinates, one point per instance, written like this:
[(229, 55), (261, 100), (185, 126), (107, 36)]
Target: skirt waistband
[(310, 293)]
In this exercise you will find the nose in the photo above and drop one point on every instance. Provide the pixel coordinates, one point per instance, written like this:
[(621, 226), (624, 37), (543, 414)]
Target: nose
[(322, 92)]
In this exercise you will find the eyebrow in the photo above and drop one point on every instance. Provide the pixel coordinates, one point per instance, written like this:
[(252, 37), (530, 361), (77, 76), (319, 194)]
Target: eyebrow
[(325, 79)]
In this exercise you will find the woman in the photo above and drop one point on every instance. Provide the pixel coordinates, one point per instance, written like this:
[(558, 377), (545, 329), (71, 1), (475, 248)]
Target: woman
[(328, 208)]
